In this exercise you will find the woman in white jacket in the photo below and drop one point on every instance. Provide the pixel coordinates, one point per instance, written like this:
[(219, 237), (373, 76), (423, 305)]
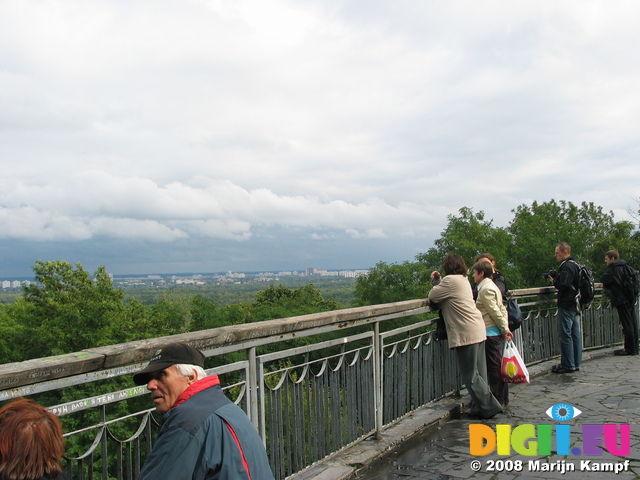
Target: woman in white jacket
[(496, 321)]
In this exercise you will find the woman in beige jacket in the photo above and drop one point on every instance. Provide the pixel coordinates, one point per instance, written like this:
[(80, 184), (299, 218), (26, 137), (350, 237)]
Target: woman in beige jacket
[(466, 332)]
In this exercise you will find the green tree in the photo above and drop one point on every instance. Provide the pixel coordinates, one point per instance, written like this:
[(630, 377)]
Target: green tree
[(538, 228), (11, 334), (204, 314), (623, 238), (281, 302), (470, 234), (66, 310), (392, 283), (133, 323), (170, 315)]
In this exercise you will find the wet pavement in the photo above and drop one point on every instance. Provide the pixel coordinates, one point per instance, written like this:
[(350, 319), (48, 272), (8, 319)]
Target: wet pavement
[(605, 391)]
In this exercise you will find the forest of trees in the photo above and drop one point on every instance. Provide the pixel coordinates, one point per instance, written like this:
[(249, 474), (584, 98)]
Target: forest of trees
[(68, 309), (523, 250)]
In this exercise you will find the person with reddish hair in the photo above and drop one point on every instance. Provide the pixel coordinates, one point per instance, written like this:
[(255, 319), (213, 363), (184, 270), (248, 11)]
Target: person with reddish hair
[(31, 443)]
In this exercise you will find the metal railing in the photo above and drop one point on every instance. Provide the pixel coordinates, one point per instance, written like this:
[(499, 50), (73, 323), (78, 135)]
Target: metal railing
[(311, 385)]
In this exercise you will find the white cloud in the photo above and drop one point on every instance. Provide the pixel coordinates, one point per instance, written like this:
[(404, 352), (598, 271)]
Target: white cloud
[(26, 222), (99, 204), (178, 120)]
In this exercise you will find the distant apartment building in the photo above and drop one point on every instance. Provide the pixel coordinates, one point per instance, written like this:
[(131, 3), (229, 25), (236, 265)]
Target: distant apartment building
[(188, 281), (353, 273), (14, 284)]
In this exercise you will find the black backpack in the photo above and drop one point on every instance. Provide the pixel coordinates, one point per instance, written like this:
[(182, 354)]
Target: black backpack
[(586, 284), (514, 314), (631, 283)]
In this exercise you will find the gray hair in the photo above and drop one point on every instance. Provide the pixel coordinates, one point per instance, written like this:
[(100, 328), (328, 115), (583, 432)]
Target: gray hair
[(185, 370)]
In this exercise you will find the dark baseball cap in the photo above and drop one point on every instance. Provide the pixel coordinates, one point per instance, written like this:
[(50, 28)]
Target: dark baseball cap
[(164, 357)]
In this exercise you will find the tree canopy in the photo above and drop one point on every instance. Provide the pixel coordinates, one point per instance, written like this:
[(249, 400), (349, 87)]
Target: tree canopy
[(523, 249), (67, 310)]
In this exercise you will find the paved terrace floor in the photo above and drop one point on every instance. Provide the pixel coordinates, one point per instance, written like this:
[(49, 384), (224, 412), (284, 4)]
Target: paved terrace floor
[(433, 443)]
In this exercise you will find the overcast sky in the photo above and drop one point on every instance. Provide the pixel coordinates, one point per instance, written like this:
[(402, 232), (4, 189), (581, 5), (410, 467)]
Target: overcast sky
[(168, 136)]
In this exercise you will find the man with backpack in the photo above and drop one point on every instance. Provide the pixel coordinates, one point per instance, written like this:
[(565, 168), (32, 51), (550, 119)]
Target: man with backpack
[(619, 280), (567, 282)]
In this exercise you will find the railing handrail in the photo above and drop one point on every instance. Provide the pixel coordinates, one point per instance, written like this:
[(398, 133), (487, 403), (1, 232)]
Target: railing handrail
[(130, 356), (113, 357), (19, 374)]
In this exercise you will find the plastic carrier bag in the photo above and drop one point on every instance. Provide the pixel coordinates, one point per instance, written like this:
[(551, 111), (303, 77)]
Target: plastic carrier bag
[(513, 369)]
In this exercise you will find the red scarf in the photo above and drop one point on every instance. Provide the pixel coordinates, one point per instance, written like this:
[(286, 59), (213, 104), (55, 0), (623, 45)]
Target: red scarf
[(197, 387)]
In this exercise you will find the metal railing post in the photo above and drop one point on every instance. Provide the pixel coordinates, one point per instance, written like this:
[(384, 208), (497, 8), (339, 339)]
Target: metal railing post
[(253, 387), (378, 383), (262, 429)]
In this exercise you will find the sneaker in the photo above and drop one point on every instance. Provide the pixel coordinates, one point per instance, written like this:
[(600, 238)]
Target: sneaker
[(621, 352)]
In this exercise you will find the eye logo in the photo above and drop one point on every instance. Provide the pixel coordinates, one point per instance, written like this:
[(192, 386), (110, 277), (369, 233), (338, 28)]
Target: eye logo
[(563, 411)]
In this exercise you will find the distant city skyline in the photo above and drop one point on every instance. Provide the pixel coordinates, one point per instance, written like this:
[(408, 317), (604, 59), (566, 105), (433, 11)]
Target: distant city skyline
[(300, 272)]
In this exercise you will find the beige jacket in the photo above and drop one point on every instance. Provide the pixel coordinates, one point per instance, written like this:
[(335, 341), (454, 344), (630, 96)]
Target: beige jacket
[(461, 317), (489, 302)]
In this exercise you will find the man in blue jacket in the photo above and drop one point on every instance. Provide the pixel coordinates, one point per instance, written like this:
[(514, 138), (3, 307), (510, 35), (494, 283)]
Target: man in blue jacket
[(204, 435)]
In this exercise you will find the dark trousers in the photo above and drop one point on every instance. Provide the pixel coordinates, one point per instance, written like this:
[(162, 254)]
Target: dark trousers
[(473, 369), (493, 354), (629, 322)]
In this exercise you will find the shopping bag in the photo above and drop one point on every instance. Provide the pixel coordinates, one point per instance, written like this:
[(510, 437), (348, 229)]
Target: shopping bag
[(513, 369)]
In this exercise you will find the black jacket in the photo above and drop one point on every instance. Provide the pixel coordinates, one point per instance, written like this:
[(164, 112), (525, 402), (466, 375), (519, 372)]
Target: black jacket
[(613, 280), (567, 284)]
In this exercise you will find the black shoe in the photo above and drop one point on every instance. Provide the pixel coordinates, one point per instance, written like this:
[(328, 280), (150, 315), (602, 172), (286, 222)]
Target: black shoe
[(562, 369), (473, 413), (621, 352), (493, 415)]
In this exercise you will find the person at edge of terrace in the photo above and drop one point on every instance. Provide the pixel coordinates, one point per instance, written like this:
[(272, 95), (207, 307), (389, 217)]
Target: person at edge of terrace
[(465, 331), (566, 282), (204, 435), (498, 277), (623, 299), (496, 321)]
